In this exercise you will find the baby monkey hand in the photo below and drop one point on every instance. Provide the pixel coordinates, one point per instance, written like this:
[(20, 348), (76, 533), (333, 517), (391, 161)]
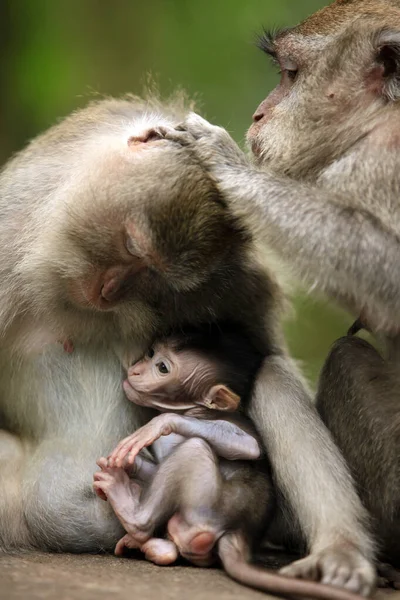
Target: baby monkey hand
[(142, 438)]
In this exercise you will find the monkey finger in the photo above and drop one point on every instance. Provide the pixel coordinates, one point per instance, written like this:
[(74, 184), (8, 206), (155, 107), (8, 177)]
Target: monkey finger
[(135, 451), (118, 449), (102, 462), (198, 126), (179, 136), (121, 451)]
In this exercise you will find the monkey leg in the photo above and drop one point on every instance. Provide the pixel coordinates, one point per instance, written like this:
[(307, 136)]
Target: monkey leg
[(239, 488), (359, 401), (188, 480), (60, 507)]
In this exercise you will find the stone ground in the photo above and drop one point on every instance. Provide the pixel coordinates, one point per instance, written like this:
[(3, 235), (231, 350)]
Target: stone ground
[(81, 577)]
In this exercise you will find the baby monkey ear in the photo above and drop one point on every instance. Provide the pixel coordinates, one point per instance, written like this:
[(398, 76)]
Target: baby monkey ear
[(220, 397)]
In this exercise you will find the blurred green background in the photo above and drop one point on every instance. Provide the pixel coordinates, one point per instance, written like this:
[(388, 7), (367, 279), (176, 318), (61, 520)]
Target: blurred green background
[(56, 54)]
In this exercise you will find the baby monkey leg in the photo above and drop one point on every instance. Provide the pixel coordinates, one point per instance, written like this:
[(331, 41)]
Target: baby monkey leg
[(187, 480)]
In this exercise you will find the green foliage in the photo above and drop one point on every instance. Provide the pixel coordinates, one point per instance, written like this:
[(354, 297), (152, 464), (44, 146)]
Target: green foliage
[(56, 54)]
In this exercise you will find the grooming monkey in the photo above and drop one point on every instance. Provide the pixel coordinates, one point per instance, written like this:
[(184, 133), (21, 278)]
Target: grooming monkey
[(99, 250), (208, 473), (325, 194)]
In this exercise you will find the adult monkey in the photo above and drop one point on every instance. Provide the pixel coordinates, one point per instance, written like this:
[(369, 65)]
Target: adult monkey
[(326, 196), (98, 251)]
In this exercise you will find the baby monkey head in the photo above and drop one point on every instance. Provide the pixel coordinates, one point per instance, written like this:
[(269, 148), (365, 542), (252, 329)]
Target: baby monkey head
[(201, 367)]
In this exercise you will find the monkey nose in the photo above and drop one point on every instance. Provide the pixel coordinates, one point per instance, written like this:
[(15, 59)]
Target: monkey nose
[(134, 370), (258, 115)]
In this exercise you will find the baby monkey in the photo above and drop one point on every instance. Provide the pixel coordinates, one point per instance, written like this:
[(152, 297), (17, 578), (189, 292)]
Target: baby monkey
[(212, 481)]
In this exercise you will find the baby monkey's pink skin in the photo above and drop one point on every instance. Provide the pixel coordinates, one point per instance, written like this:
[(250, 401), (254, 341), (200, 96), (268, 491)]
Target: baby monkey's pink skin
[(185, 382), (206, 484)]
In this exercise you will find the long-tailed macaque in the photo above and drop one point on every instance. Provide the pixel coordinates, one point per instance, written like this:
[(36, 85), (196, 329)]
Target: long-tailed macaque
[(111, 236), (325, 194), (208, 473)]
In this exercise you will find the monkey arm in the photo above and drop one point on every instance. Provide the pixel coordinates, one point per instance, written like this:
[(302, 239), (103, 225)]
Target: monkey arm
[(347, 253), (228, 439), (308, 467), (332, 240)]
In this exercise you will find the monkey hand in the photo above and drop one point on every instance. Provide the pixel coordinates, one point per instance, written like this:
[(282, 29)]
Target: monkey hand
[(339, 566), (129, 447), (212, 145)]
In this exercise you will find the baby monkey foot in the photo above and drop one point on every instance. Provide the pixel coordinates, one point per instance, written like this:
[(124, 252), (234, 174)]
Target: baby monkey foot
[(113, 484), (195, 542), (340, 566), (156, 550)]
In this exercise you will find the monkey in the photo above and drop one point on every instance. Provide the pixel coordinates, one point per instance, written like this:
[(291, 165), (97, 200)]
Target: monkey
[(112, 235), (198, 379), (321, 189)]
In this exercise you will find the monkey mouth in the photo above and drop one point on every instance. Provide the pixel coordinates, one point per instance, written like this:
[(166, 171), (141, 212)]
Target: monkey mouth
[(132, 394)]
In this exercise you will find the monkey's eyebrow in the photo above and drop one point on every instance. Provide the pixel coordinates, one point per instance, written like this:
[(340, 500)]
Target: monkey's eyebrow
[(266, 41)]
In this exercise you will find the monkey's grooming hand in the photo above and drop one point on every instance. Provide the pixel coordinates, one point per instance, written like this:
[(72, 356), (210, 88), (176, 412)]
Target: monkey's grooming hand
[(340, 566), (212, 145), (129, 447)]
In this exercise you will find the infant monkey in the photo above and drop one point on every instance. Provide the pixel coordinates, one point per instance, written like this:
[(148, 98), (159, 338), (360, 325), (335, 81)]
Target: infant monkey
[(208, 484), (196, 379)]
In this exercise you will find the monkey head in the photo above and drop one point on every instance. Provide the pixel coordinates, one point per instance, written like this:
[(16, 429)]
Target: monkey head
[(132, 220), (171, 379), (339, 81)]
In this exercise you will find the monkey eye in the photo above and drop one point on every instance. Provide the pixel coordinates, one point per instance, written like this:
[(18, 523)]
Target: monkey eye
[(163, 368), (289, 68), (292, 74)]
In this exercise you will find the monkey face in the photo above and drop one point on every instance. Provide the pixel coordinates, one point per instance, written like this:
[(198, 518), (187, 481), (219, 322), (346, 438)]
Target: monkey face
[(158, 381), (143, 221), (337, 76), (169, 380)]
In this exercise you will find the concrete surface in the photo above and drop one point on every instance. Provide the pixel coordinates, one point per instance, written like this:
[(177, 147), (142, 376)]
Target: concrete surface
[(83, 577)]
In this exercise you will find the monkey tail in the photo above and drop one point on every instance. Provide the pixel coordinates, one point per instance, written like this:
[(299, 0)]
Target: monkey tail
[(234, 553)]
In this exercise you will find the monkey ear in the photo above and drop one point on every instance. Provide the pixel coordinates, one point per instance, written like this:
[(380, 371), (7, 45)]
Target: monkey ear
[(220, 397), (388, 57)]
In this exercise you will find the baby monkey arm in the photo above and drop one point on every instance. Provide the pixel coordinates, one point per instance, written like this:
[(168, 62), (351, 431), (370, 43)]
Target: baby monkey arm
[(228, 439)]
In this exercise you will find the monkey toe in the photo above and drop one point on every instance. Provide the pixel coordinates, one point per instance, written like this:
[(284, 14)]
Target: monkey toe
[(160, 552), (99, 492), (337, 567), (302, 569), (126, 542)]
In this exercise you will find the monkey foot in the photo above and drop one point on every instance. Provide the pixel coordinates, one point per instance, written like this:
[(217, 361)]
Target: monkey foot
[(195, 542), (160, 552), (388, 576), (341, 566), (113, 484), (156, 550)]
